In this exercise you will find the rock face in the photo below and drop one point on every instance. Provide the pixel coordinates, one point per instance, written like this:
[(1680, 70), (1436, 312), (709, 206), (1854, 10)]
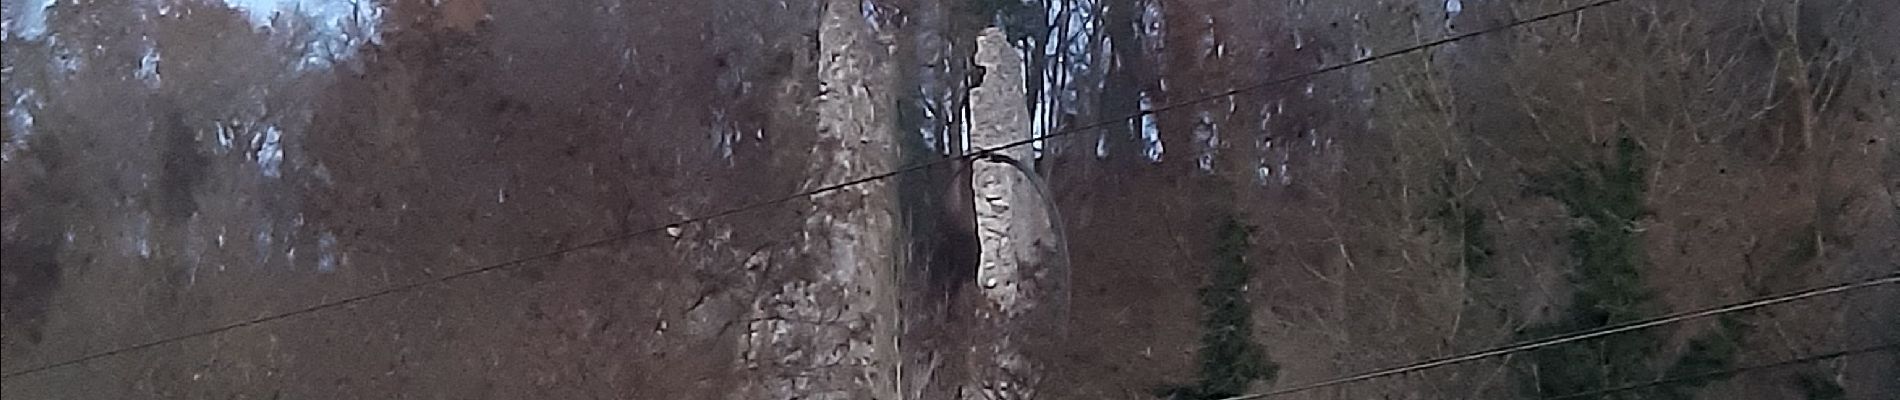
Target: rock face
[(1022, 272), (839, 339)]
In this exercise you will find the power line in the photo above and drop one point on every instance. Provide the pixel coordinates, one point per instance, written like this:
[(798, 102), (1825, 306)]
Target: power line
[(1582, 335), (1293, 78), (1726, 372), (813, 192)]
